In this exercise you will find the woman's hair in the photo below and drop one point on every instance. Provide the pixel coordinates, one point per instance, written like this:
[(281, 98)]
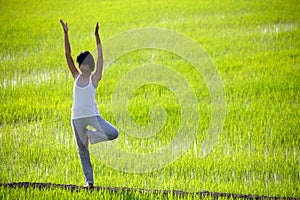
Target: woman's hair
[(86, 58)]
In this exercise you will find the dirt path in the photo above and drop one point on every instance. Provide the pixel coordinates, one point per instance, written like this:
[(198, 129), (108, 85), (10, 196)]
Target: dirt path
[(142, 191)]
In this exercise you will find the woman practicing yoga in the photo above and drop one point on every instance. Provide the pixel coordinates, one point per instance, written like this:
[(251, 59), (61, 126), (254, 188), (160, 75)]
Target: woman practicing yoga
[(85, 110)]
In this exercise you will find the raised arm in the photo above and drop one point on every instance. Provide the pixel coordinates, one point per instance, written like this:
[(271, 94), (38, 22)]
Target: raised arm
[(69, 58), (99, 66)]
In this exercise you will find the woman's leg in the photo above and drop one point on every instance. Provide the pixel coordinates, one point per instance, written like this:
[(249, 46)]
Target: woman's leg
[(104, 130), (79, 129)]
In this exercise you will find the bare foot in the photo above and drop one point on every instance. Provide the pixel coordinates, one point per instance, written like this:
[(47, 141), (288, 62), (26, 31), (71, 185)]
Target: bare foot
[(89, 186), (85, 139)]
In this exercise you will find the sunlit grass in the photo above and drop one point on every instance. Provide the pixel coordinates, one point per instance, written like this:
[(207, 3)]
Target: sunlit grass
[(254, 44)]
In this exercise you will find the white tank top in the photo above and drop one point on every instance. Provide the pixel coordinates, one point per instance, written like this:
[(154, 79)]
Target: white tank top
[(84, 103)]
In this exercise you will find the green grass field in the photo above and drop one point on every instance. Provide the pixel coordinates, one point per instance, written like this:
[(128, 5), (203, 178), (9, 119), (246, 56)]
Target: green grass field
[(255, 46)]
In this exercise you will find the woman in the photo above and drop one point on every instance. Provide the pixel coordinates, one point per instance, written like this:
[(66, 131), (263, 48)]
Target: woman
[(84, 111)]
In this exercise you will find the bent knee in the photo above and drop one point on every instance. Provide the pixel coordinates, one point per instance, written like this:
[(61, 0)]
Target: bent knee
[(114, 134)]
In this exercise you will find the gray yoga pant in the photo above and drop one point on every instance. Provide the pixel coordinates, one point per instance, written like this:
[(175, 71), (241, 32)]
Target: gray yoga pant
[(104, 131)]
